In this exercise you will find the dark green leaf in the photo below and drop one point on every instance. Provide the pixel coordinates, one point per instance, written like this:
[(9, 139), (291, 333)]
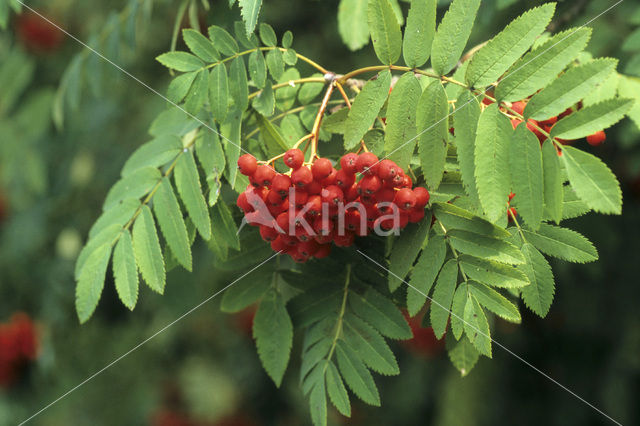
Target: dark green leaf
[(433, 131), (425, 273), (418, 35), (147, 252), (384, 30), (526, 175), (167, 211), (452, 35), (125, 273), (400, 134)]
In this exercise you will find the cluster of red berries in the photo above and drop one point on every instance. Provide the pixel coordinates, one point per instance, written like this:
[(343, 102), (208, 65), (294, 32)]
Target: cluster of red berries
[(303, 211), (18, 347), (534, 125)]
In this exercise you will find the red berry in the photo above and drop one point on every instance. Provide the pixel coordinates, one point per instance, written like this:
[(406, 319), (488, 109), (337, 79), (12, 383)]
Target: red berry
[(344, 240), (247, 164), (281, 184), (264, 175), (308, 248), (243, 203), (314, 188), (321, 168), (322, 225), (597, 138), (369, 185), (511, 213), (566, 112), (274, 198), (298, 198), (385, 195), (268, 233), (331, 179), (348, 162), (549, 122), (332, 195), (301, 177), (278, 244), (405, 199), (293, 158), (515, 122), (518, 107), (352, 193), (416, 215), (314, 205), (344, 180), (422, 196), (511, 195), (282, 222), (366, 163), (387, 169), (323, 251)]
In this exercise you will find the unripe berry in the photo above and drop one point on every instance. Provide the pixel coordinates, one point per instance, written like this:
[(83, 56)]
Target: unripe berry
[(293, 158), (405, 199), (321, 168), (247, 164), (264, 175), (597, 138), (348, 162), (387, 169), (301, 177), (367, 163), (422, 197)]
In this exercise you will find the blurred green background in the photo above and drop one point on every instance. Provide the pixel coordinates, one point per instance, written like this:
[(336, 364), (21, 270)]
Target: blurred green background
[(54, 175)]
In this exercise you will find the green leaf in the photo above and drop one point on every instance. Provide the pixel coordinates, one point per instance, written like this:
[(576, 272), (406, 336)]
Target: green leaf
[(287, 39), (91, 281), (223, 41), (384, 30), (495, 302), (433, 130), (273, 331), (452, 34), (538, 296), (369, 346), (258, 69), (197, 95), (209, 151), (419, 32), (495, 58), (250, 10), (457, 309), (592, 118), (541, 66), (200, 45), (476, 326), (562, 243), (400, 133), (494, 134), (134, 185), (309, 91), (492, 273), (318, 404), (290, 57), (265, 101), (147, 252), (405, 250), (356, 375), (219, 92), (224, 228), (526, 175), (155, 153), (462, 354), (381, 313), (465, 119), (442, 297), (336, 390), (275, 63), (592, 180), (286, 96), (120, 214), (365, 108), (179, 86), (267, 35), (454, 217), (188, 185), (246, 291), (572, 206), (485, 247), (167, 211), (108, 235), (425, 273), (271, 135), (335, 123), (352, 23), (125, 272), (238, 85), (180, 61), (568, 89), (552, 181), (247, 41)]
